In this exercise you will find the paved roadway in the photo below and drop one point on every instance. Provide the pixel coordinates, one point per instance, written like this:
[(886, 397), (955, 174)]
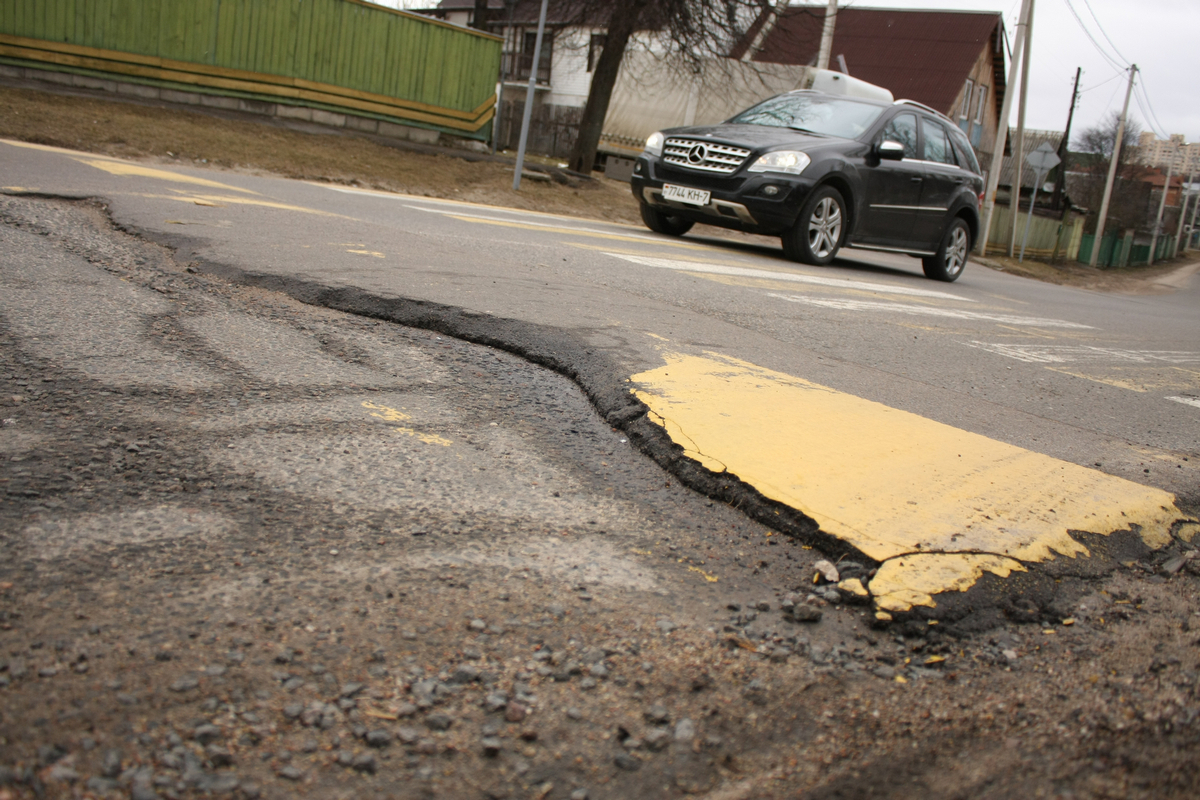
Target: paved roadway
[(942, 430)]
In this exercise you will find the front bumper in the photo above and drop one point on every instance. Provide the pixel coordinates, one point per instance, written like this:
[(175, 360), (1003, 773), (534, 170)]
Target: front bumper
[(735, 202)]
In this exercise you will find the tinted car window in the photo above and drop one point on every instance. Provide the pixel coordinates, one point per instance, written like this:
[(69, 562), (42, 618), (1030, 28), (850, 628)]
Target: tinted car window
[(902, 129), (937, 146), (966, 153), (832, 116)]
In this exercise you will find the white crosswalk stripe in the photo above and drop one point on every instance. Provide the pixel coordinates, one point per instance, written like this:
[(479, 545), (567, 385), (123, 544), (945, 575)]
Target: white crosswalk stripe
[(790, 277), (927, 311)]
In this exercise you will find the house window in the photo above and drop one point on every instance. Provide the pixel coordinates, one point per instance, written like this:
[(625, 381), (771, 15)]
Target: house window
[(982, 93), (965, 110), (595, 45), (522, 62)]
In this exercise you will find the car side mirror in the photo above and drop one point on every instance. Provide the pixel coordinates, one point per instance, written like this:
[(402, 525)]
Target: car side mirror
[(889, 150)]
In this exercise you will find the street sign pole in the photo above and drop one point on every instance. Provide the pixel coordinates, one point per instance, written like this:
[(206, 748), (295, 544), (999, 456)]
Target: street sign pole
[(533, 71), (1042, 160)]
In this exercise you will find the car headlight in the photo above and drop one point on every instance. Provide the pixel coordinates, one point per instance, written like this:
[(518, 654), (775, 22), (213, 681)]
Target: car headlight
[(789, 161), (654, 144)]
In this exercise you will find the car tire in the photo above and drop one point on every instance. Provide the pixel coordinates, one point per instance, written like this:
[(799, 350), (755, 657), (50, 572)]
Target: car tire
[(951, 258), (662, 222), (818, 232)]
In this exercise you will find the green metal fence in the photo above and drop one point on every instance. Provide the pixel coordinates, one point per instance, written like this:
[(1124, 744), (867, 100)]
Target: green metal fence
[(1120, 251), (346, 55)]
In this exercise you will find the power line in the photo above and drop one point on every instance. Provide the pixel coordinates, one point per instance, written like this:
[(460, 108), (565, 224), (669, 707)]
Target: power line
[(1103, 83), (1099, 48), (1102, 31), (1147, 109)]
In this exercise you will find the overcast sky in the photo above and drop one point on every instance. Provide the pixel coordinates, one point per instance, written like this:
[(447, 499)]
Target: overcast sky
[(1157, 35)]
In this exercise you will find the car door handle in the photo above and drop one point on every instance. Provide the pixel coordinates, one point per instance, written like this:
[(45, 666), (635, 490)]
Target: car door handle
[(917, 179)]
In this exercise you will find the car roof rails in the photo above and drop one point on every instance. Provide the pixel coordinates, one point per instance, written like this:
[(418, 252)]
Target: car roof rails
[(922, 106)]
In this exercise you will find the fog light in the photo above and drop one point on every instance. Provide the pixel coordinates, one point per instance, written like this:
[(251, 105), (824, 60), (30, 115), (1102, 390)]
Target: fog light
[(770, 190)]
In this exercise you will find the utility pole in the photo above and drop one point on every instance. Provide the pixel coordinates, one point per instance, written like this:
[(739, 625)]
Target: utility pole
[(989, 197), (827, 36), (765, 31), (1195, 208), (1014, 203), (1112, 171), (1162, 204), (1064, 146), (1183, 204)]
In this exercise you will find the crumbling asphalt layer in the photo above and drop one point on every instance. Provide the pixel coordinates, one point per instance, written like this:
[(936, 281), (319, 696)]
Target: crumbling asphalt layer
[(239, 560)]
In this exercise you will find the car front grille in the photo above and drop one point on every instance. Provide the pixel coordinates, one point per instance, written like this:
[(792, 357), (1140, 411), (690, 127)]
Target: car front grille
[(703, 155)]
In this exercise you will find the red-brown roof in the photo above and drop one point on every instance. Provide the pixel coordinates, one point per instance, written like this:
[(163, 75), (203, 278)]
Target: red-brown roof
[(925, 56)]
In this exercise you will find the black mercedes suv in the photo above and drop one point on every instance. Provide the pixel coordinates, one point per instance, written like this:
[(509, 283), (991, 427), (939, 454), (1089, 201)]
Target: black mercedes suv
[(822, 172)]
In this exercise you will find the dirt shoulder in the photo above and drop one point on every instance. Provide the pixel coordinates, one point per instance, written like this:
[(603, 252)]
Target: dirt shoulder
[(124, 128)]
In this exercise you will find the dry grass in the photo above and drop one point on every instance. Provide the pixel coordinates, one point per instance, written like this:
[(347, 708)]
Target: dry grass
[(171, 135), (134, 131)]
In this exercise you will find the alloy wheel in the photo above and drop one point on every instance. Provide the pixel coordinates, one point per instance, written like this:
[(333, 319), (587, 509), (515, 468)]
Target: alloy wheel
[(825, 227)]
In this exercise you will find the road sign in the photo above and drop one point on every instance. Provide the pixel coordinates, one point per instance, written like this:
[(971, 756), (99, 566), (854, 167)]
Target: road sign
[(1042, 160)]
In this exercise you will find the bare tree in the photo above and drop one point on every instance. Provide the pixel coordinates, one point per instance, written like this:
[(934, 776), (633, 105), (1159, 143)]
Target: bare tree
[(1094, 149), (687, 31)]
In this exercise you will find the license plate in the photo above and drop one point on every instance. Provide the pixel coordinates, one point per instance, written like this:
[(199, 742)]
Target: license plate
[(683, 194)]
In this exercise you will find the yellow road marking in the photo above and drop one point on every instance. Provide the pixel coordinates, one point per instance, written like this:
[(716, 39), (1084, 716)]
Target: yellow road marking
[(708, 576), (126, 169), (203, 199), (46, 148), (953, 503), (393, 415), (374, 253)]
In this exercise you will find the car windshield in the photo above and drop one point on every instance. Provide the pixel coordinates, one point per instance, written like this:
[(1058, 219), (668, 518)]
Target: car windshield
[(833, 116)]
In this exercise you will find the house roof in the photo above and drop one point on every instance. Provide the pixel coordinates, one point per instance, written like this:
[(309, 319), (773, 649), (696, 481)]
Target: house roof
[(918, 55), (526, 12)]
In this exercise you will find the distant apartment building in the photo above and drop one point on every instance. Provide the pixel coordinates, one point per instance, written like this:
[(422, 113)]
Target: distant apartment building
[(1184, 157)]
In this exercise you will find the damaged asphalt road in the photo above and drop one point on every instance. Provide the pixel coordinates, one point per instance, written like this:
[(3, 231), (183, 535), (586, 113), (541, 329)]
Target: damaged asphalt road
[(256, 548), (940, 435)]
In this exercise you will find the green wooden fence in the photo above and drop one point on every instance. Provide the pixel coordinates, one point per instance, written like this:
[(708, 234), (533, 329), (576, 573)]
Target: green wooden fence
[(345, 55)]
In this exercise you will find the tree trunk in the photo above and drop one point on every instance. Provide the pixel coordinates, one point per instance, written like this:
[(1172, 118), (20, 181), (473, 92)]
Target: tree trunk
[(621, 26), (480, 18)]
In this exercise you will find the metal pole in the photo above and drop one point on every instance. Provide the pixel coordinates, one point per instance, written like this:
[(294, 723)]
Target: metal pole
[(827, 36), (1183, 204), (989, 197), (1029, 219), (1014, 203), (1162, 204), (1112, 171), (533, 71), (1195, 208)]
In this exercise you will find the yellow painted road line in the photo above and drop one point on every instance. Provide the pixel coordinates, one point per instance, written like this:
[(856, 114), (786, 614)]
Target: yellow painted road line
[(791, 277), (207, 199), (46, 148), (891, 483), (126, 169)]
